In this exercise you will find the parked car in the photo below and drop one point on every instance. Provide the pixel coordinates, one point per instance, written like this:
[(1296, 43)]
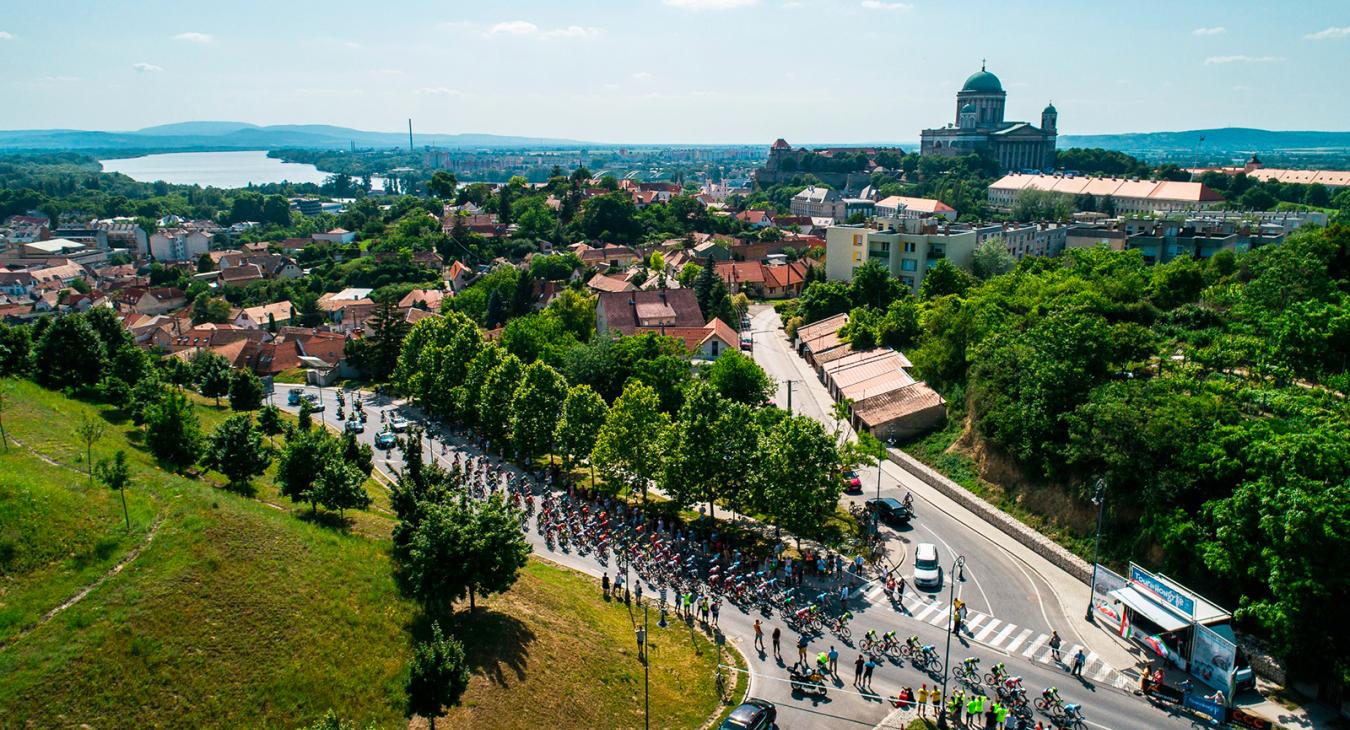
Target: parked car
[(852, 484), (293, 396), (891, 510), (753, 714), (398, 424), (927, 569), (385, 440)]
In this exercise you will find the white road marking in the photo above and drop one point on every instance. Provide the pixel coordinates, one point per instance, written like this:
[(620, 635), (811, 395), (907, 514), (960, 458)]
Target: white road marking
[(927, 609), (1017, 641), (941, 617), (974, 621), (1035, 645), (1007, 629), (988, 629)]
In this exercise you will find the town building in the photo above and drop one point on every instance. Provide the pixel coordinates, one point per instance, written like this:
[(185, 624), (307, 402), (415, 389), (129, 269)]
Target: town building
[(1125, 195), (818, 202), (979, 126), (899, 206), (651, 310), (179, 244), (907, 248)]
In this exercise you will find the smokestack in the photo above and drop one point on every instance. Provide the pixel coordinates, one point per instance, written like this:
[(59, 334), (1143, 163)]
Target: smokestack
[(410, 144)]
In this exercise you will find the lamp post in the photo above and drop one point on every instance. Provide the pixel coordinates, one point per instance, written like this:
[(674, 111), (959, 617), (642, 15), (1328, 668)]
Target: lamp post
[(1099, 499), (646, 681), (959, 565)]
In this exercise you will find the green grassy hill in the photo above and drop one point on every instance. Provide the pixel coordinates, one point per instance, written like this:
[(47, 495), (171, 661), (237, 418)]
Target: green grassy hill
[(239, 614)]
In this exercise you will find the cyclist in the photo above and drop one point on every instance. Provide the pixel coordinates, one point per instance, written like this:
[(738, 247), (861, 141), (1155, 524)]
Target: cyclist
[(1073, 712), (870, 637), (1051, 695), (845, 617), (888, 639), (971, 665), (999, 672), (913, 643)]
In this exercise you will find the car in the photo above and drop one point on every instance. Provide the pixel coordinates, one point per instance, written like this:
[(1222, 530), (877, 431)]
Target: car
[(927, 569), (852, 484), (293, 396), (747, 344), (385, 440), (753, 714), (354, 426), (891, 510), (398, 424)]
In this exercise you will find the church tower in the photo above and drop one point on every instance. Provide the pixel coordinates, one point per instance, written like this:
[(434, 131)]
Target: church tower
[(983, 90), (1050, 119)]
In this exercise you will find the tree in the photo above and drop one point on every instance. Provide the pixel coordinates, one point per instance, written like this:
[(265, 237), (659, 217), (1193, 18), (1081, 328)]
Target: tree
[(304, 420), (340, 484), (269, 420), (627, 449), (205, 264), (237, 450), (172, 432), (246, 391), (116, 475), (944, 278), (822, 299), (460, 548), (69, 354), (442, 184), (302, 460), (437, 676), (210, 309), (499, 551), (535, 405), (873, 286), (738, 378), (212, 373), (712, 451), (610, 217), (991, 258), (90, 431), (801, 467), (899, 327), (16, 350), (494, 401), (583, 413), (378, 354)]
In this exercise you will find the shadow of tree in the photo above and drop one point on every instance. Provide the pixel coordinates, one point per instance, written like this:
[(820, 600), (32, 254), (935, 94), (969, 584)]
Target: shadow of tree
[(496, 644), (331, 520)]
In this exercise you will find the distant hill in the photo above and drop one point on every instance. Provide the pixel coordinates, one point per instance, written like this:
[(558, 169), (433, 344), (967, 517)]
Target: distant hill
[(1224, 140), (186, 136)]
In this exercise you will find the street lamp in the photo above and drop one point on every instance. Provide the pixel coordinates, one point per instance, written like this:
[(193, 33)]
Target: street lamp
[(1099, 499), (959, 565), (646, 682)]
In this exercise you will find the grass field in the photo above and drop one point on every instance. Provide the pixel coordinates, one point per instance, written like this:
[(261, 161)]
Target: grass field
[(239, 614)]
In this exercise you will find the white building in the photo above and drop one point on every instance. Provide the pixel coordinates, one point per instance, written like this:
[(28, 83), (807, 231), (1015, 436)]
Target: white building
[(178, 244), (1128, 195), (818, 202)]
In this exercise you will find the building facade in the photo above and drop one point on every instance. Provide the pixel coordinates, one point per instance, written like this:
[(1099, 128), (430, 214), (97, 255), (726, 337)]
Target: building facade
[(979, 126), (907, 248)]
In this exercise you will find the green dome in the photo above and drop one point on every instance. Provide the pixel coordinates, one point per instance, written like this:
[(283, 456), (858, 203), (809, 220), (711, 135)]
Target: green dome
[(982, 81), (1050, 109)]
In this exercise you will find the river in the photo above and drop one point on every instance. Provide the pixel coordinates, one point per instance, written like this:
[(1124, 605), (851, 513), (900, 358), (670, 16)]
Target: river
[(218, 169)]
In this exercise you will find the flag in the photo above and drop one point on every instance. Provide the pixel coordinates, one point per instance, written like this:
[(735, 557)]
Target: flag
[(1156, 644)]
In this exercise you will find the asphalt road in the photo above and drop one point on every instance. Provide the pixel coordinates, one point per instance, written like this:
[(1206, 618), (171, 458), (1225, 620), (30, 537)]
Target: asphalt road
[(1105, 704)]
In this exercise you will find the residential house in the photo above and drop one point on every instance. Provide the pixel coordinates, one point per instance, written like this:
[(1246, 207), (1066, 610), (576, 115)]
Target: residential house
[(263, 315), (756, 218), (648, 310), (707, 342), (241, 275), (607, 254), (179, 244), (336, 235), (606, 283), (18, 283), (151, 300), (899, 206), (348, 309), (458, 276), (428, 299)]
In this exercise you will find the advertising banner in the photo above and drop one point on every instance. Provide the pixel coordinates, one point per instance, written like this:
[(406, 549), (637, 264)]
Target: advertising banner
[(1179, 600), (1105, 608), (1241, 718), (1212, 658), (1206, 706)]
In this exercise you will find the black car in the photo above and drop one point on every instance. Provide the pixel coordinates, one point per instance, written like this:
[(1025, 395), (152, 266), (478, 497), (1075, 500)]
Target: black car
[(753, 714), (891, 510)]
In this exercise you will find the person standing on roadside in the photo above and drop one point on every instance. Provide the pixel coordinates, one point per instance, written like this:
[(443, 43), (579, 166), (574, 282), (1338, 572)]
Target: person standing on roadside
[(1055, 643), (759, 635), (923, 698), (777, 634), (834, 661), (857, 671)]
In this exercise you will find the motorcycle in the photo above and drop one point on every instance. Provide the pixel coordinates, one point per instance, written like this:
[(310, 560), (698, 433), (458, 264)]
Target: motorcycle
[(809, 683)]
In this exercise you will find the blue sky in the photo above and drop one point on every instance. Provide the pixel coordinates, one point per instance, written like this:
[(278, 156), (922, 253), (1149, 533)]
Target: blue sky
[(698, 71)]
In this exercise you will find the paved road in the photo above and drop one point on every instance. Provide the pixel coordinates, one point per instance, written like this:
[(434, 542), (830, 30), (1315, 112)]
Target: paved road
[(1023, 650)]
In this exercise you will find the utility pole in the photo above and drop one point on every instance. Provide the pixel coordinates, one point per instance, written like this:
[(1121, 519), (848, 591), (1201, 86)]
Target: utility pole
[(410, 144), (951, 601), (789, 403), (1099, 499)]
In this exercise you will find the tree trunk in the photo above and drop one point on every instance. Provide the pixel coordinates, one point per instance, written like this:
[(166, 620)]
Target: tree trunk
[(471, 602), (89, 461), (125, 513)]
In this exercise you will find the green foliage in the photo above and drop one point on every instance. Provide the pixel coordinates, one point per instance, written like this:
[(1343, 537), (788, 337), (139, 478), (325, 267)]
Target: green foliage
[(246, 391), (494, 400), (821, 299), (801, 475), (172, 431), (437, 676), (116, 475), (943, 278), (583, 413), (991, 258), (69, 354), (535, 405), (212, 374), (237, 450), (1040, 205), (739, 378), (1102, 162), (873, 286), (627, 450), (460, 548)]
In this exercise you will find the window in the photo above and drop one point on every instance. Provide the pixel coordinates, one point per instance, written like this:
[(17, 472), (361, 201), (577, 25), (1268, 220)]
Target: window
[(909, 247), (909, 265)]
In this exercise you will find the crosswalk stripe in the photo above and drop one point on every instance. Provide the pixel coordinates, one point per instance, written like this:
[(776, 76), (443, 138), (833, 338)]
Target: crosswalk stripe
[(1007, 629), (1017, 641), (927, 609), (975, 619), (1035, 645), (988, 629), (874, 591), (1073, 650), (1045, 657), (941, 617)]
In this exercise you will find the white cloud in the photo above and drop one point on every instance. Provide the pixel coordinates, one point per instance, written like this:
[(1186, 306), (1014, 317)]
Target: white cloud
[(526, 29), (1216, 60), (146, 68), (204, 39), (709, 4), (880, 5), (438, 91), (1216, 30), (6, 35), (1329, 34)]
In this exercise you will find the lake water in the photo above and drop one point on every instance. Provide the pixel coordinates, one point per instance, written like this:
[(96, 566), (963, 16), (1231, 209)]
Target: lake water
[(219, 169)]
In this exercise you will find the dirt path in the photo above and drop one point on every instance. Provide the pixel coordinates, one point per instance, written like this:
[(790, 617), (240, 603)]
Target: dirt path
[(80, 595)]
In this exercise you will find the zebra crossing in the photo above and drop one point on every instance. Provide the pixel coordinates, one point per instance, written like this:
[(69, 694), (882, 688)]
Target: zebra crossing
[(1007, 637)]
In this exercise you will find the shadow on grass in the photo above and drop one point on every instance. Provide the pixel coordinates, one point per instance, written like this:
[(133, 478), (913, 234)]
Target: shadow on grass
[(331, 520), (496, 645)]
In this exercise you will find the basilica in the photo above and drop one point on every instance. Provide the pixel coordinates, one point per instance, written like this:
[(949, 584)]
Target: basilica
[(980, 126)]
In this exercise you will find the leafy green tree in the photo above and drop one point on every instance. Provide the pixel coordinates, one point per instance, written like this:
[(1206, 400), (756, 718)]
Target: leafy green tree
[(899, 327), (90, 430), (304, 420), (378, 354), (116, 475), (610, 217), (945, 278), (494, 400), (269, 420), (69, 354), (537, 337), (738, 378), (301, 461), (340, 485), (437, 676), (16, 350), (212, 373), (246, 391), (172, 431), (873, 286), (823, 299), (689, 274), (582, 415), (210, 309), (627, 450), (237, 450), (442, 184), (800, 473), (535, 406), (576, 312), (499, 550), (991, 258)]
